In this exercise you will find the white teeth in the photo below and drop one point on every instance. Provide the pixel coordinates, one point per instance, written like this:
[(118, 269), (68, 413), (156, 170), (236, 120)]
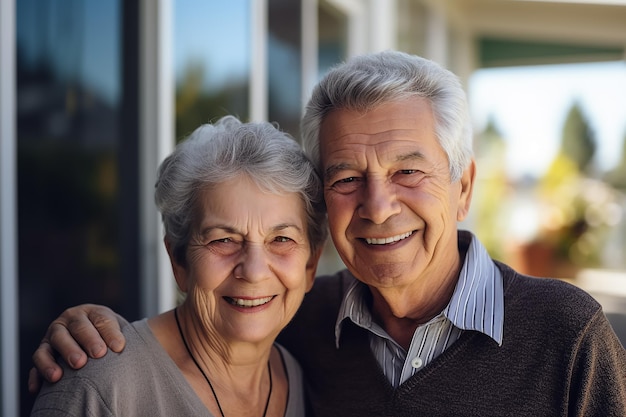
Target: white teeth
[(384, 241), (241, 302)]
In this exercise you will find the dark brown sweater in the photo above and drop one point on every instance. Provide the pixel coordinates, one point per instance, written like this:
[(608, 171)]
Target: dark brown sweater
[(559, 357)]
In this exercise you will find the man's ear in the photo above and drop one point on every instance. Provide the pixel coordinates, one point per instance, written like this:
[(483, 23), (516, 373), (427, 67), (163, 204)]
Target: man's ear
[(467, 188), (311, 267), (180, 272)]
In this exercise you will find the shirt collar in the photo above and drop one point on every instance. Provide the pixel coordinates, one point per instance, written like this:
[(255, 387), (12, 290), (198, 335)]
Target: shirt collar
[(476, 304)]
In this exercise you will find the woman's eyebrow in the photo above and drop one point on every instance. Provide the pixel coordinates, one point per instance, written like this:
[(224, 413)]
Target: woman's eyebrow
[(222, 227), (284, 226), (229, 229)]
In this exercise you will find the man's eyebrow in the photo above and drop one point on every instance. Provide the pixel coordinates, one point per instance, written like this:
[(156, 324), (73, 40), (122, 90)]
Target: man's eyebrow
[(332, 170), (410, 156)]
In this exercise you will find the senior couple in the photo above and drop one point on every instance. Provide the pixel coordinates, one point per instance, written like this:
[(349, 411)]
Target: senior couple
[(421, 323)]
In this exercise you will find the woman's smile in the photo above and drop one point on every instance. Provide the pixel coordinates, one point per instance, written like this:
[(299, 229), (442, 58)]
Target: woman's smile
[(249, 302)]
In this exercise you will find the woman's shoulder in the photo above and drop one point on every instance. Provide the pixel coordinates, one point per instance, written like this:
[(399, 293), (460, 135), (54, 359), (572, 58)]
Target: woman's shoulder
[(288, 359), (138, 347), (295, 404)]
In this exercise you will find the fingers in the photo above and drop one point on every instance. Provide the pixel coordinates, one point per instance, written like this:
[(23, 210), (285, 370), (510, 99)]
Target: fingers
[(93, 327), (34, 382), (106, 323), (74, 335), (45, 366)]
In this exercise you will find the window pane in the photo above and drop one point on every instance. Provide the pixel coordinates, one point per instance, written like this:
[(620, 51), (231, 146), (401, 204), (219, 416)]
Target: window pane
[(74, 246), (211, 61), (284, 64)]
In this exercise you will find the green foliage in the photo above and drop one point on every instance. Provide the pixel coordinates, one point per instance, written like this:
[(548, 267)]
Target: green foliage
[(491, 189), (578, 142), (617, 176), (196, 105)]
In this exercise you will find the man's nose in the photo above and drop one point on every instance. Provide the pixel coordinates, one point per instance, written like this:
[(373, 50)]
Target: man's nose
[(378, 201)]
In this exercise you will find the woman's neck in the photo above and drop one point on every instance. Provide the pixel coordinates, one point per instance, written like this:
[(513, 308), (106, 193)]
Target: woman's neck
[(233, 377)]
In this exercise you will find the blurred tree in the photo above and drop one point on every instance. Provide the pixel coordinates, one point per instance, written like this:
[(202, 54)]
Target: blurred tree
[(577, 140), (195, 105), (578, 211), (617, 176), (490, 194)]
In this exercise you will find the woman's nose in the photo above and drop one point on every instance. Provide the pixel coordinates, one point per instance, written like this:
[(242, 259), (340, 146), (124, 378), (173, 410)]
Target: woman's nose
[(254, 264)]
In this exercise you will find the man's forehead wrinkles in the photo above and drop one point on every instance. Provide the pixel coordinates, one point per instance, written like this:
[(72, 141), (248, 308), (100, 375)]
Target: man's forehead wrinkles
[(358, 135)]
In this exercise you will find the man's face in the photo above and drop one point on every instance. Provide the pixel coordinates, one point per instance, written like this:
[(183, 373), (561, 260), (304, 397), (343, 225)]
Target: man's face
[(391, 206)]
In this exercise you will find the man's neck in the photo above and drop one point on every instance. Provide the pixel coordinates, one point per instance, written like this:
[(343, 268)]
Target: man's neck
[(401, 312), (400, 322)]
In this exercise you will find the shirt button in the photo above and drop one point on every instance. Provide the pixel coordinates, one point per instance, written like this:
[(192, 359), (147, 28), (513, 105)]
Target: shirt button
[(416, 363)]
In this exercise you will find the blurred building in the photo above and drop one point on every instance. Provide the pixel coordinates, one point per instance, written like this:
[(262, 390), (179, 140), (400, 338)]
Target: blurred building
[(93, 95)]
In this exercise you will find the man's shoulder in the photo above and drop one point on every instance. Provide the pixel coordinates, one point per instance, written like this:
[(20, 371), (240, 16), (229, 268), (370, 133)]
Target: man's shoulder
[(548, 298)]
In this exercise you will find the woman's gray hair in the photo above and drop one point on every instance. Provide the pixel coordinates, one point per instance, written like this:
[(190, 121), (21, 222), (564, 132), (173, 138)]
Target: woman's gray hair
[(215, 153), (367, 81)]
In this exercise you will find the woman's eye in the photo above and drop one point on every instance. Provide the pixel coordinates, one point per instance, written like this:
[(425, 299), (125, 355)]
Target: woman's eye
[(224, 246), (282, 239), (223, 242)]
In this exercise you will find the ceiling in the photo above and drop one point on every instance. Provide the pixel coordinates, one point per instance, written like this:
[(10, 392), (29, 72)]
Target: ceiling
[(515, 32)]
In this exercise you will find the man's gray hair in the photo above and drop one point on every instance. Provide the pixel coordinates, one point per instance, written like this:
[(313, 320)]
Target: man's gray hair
[(367, 81)]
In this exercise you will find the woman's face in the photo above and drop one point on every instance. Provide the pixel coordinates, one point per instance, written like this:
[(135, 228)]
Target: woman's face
[(249, 261)]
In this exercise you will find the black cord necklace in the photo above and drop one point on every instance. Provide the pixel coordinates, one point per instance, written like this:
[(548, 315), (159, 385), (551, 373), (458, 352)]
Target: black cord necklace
[(269, 369)]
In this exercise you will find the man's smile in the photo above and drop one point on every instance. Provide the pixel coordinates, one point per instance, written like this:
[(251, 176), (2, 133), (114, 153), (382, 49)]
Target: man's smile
[(387, 240)]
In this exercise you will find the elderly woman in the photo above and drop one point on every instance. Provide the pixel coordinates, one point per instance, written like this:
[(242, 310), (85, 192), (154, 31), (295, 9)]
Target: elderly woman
[(244, 227)]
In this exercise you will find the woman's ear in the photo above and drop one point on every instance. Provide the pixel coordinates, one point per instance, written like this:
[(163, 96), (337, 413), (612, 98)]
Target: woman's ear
[(467, 188), (311, 268), (180, 272)]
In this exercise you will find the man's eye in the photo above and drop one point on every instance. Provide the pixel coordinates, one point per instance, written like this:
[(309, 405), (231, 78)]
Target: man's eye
[(408, 177), (347, 185)]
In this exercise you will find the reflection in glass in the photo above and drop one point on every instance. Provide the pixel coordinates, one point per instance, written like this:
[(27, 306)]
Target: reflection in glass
[(211, 62), (69, 129), (284, 64), (333, 37)]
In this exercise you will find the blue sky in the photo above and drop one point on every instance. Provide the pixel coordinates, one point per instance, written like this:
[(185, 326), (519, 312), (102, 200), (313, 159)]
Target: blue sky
[(195, 21)]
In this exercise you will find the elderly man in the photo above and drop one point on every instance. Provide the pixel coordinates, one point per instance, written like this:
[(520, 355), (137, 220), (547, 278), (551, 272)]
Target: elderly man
[(423, 321)]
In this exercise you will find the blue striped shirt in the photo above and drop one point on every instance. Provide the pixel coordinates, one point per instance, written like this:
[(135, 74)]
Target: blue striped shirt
[(476, 304)]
